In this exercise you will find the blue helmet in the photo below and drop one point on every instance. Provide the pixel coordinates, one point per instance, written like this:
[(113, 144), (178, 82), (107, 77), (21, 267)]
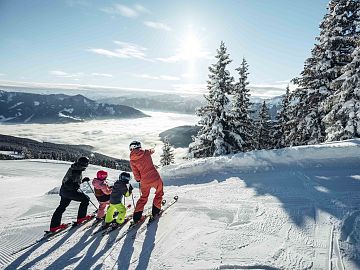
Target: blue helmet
[(124, 177)]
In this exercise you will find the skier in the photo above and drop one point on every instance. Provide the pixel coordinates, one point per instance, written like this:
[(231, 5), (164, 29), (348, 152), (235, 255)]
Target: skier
[(118, 191), (148, 177), (102, 193), (69, 191)]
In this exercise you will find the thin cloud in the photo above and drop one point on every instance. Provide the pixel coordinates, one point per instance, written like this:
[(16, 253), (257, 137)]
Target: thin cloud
[(161, 77), (126, 11), (126, 50), (101, 74), (63, 74), (2, 74), (157, 25), (181, 56)]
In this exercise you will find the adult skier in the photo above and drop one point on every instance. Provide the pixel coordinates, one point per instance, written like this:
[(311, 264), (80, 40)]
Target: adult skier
[(148, 177), (69, 191)]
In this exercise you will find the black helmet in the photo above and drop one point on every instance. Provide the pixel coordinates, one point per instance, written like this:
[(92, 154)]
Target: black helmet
[(124, 177), (83, 161), (134, 145)]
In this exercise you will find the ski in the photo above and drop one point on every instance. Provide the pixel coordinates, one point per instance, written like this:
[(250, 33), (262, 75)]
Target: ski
[(152, 219), (115, 226), (46, 237)]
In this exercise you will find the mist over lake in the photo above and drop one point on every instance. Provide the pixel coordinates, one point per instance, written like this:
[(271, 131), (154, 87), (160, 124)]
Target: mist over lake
[(109, 137)]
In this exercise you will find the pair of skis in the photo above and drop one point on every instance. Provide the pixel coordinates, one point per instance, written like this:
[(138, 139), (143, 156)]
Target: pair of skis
[(51, 235), (134, 227)]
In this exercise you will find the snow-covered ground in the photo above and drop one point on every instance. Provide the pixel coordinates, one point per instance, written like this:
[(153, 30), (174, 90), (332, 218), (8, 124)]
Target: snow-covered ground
[(295, 208)]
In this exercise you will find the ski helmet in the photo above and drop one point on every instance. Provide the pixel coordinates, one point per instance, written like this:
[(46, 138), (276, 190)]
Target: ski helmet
[(134, 145), (125, 177), (83, 161), (101, 175)]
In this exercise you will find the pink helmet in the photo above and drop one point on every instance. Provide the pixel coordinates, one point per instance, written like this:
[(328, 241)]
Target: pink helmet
[(101, 175)]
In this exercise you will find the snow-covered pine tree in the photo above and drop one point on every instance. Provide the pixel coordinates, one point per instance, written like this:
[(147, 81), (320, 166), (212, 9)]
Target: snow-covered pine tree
[(167, 156), (329, 56), (241, 129), (343, 121), (211, 139), (265, 139), (283, 128)]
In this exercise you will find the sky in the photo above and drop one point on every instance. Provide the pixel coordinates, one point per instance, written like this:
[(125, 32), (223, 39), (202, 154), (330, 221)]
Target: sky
[(157, 45)]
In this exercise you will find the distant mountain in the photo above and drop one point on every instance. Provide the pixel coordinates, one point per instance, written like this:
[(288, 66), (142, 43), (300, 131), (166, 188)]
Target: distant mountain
[(20, 148), (17, 107), (181, 104), (180, 136)]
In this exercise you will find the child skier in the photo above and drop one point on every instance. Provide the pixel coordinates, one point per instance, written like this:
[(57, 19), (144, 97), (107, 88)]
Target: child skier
[(102, 193), (118, 191), (145, 172), (69, 191)]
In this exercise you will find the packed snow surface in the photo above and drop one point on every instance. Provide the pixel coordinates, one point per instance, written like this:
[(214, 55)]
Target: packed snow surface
[(294, 208)]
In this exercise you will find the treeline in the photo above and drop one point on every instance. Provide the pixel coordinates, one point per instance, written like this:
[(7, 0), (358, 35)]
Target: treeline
[(31, 149), (324, 107)]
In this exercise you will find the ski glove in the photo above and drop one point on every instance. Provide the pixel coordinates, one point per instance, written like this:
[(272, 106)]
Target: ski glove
[(130, 188), (86, 179)]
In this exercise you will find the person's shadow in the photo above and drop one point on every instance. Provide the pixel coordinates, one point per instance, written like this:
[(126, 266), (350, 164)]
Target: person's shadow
[(148, 245), (127, 250)]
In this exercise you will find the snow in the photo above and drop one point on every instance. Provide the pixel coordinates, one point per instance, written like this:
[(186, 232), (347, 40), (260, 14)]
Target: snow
[(295, 208), (36, 103)]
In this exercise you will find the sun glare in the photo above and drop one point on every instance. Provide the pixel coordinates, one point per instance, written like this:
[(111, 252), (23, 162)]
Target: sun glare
[(190, 48)]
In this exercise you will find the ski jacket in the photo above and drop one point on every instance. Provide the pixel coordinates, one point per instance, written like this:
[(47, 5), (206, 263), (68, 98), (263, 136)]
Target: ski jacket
[(142, 166), (101, 189), (72, 178), (118, 191)]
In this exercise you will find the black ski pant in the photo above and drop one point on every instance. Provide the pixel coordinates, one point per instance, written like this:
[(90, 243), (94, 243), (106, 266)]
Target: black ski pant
[(66, 198)]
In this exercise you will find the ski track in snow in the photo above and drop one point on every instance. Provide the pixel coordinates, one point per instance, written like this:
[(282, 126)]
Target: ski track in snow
[(301, 214)]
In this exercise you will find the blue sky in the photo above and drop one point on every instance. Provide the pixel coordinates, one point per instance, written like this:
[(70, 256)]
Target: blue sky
[(160, 45)]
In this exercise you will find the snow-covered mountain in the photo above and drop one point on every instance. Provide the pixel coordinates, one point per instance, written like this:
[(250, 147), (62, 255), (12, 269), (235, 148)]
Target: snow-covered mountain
[(17, 107), (294, 208)]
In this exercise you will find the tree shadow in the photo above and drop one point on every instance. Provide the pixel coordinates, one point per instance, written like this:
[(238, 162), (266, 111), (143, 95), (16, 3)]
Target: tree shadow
[(304, 187), (148, 245)]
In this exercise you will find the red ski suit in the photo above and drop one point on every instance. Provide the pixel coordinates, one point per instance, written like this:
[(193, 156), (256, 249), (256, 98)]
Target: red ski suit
[(145, 172)]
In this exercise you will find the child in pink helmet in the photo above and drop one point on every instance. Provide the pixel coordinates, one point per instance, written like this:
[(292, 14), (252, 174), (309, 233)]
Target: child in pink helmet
[(102, 193)]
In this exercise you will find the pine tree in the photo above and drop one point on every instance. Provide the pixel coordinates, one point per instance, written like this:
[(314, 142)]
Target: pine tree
[(167, 156), (343, 120), (329, 56), (211, 139), (242, 129), (265, 138), (283, 126)]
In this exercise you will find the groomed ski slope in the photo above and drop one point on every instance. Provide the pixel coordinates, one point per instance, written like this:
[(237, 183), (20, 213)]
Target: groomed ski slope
[(295, 208)]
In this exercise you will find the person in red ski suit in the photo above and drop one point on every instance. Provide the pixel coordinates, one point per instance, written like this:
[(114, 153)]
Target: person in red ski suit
[(102, 193), (146, 174)]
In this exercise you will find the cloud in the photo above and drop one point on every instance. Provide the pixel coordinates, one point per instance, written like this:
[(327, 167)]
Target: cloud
[(2, 74), (101, 74), (63, 74), (194, 88), (161, 77), (126, 50), (157, 25), (184, 56), (126, 11)]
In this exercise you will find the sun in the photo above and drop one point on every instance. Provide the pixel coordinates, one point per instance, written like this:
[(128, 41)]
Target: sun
[(190, 47)]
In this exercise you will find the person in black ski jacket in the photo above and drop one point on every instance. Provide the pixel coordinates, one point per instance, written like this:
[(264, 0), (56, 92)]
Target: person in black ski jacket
[(69, 191)]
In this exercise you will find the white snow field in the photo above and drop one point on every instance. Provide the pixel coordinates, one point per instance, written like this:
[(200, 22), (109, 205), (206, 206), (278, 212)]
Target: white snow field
[(295, 208)]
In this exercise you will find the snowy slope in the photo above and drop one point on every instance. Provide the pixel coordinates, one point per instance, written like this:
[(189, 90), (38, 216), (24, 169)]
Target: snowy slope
[(295, 208)]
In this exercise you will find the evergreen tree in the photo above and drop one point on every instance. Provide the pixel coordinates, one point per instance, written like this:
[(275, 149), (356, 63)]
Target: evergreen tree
[(167, 156), (242, 129), (211, 139), (265, 138), (343, 120), (335, 45), (283, 126)]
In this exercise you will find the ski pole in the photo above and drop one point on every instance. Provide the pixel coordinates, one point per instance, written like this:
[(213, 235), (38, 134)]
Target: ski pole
[(91, 189), (132, 195), (89, 199)]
